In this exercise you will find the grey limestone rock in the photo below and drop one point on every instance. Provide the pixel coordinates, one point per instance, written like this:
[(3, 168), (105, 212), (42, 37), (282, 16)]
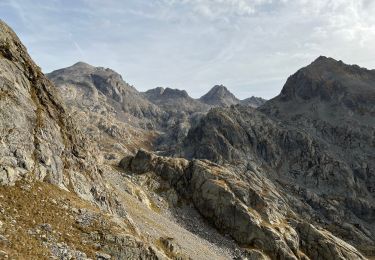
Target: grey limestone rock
[(245, 205), (315, 141)]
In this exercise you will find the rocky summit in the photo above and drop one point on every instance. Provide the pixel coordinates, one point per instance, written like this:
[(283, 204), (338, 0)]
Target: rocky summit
[(91, 168), (175, 100), (85, 85), (219, 95), (253, 101)]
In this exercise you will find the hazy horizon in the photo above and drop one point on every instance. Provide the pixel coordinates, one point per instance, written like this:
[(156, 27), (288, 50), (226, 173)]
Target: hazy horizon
[(250, 46)]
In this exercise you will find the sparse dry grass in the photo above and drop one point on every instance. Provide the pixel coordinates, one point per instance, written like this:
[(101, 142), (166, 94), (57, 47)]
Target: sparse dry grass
[(221, 183), (44, 203)]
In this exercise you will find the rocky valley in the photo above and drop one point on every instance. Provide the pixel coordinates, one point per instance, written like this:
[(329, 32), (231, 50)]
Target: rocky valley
[(91, 168)]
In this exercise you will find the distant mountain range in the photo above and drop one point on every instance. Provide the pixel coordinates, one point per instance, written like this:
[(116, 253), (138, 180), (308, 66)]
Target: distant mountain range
[(219, 95), (108, 102)]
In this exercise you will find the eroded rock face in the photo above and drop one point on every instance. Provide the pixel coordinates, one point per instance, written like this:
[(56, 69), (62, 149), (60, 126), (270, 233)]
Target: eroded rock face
[(41, 142), (331, 81), (92, 81), (113, 116), (323, 245), (314, 146), (246, 205), (39, 138)]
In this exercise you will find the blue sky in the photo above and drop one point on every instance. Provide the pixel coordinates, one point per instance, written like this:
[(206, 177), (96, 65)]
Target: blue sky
[(251, 46)]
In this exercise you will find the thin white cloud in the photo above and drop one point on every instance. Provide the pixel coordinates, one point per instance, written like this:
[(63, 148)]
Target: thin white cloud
[(252, 46)]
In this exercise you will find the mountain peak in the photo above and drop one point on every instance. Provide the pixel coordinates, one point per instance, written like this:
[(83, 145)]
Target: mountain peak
[(219, 95), (175, 93), (253, 101), (322, 58), (323, 64), (219, 88), (333, 82), (174, 100), (81, 64), (165, 93), (81, 67), (323, 61)]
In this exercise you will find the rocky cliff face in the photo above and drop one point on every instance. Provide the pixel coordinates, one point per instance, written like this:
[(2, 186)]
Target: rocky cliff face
[(244, 203), (54, 199), (331, 81), (316, 140), (59, 199), (59, 154), (39, 138), (92, 83), (112, 115)]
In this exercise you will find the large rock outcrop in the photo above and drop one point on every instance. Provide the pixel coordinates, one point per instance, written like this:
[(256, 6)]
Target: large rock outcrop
[(38, 137), (48, 168), (246, 205), (316, 140), (92, 83), (114, 117)]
